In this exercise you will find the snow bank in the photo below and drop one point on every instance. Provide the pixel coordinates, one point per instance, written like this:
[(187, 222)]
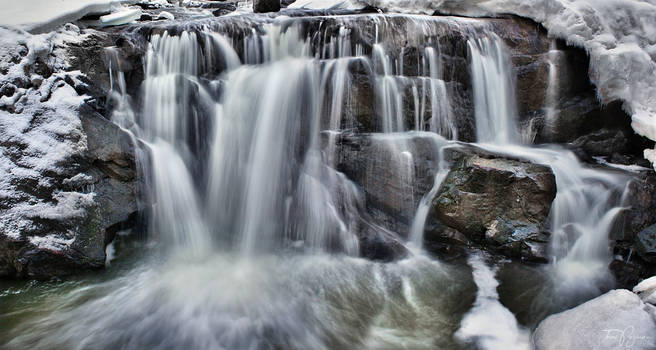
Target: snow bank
[(619, 35), (39, 16), (43, 15), (40, 130), (615, 320)]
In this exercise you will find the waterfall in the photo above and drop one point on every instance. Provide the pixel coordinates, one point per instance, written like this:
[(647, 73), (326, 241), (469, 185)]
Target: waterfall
[(551, 97), (169, 126), (388, 94), (442, 120), (243, 126), (417, 228), (586, 201), (494, 92)]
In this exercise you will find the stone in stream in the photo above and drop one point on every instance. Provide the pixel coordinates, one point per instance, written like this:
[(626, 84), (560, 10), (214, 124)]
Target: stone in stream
[(499, 202), (618, 319), (266, 5), (223, 8), (646, 244)]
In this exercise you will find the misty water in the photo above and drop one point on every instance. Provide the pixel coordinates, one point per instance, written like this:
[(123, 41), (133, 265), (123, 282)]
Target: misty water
[(252, 240)]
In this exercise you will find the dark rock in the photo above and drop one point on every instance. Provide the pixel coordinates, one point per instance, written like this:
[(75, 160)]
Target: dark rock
[(646, 244), (145, 17), (148, 5), (640, 203), (380, 245), (88, 57), (114, 171), (600, 143), (501, 202), (223, 8), (394, 174), (216, 5), (266, 5)]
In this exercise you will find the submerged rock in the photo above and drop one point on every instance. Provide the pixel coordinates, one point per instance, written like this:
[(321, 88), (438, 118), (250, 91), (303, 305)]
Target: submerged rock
[(501, 202), (617, 319)]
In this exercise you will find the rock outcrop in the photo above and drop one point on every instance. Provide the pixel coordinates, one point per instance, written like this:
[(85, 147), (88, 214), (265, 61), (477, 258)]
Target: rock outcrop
[(616, 320), (501, 202), (69, 175)]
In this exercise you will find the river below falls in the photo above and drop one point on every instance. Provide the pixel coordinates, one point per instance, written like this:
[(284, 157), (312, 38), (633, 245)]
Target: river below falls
[(291, 301)]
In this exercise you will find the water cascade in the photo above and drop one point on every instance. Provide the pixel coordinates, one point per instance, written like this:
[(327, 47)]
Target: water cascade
[(494, 92), (587, 200), (551, 98), (243, 129)]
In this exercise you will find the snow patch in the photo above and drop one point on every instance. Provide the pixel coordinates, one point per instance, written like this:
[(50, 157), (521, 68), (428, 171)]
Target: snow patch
[(165, 15), (40, 129), (646, 290), (51, 242), (69, 205), (38, 16), (121, 17)]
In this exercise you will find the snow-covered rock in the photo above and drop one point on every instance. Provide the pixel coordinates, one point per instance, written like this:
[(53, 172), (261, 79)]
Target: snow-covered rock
[(45, 15), (166, 15), (647, 290), (121, 17), (55, 188), (615, 320)]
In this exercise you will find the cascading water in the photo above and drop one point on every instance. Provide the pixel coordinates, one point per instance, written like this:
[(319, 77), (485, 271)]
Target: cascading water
[(494, 92), (551, 98), (586, 201), (240, 130)]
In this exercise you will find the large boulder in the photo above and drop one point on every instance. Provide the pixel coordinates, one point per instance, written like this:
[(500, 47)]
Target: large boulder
[(618, 319), (68, 174), (500, 202)]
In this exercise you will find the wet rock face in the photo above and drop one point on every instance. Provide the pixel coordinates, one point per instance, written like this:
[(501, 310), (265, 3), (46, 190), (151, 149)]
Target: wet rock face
[(577, 115), (500, 202), (393, 172)]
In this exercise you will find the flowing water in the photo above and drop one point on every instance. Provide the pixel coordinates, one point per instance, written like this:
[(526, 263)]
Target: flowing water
[(239, 140)]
